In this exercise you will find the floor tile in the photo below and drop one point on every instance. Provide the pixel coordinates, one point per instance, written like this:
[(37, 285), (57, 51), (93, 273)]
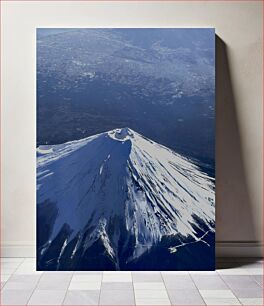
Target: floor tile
[(117, 286), (222, 301), (149, 286), (117, 297), (117, 277), (233, 271), (33, 279), (20, 285), (9, 265), (209, 282), (240, 282), (178, 282), (8, 270), (5, 277), (150, 302), (87, 278), (87, 297), (252, 301), (58, 272), (151, 294), (117, 272), (176, 273), (27, 268), (15, 297), (56, 276), (217, 294), (53, 285), (255, 271), (146, 277), (88, 272), (47, 297), (206, 273), (258, 279), (185, 297), (85, 286), (235, 283), (248, 293), (54, 281)]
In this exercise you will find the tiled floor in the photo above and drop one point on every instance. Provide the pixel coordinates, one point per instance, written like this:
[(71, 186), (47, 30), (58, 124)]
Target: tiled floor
[(235, 282)]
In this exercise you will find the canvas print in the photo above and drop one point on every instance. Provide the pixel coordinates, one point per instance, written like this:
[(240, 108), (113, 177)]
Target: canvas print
[(125, 149)]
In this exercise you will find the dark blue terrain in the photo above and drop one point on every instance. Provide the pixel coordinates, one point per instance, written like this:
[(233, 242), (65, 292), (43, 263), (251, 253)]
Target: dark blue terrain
[(158, 82)]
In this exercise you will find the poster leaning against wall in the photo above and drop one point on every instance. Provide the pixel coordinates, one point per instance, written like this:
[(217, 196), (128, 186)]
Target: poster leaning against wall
[(125, 149)]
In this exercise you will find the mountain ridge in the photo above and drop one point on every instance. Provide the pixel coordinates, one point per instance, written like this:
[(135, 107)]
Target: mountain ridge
[(118, 194)]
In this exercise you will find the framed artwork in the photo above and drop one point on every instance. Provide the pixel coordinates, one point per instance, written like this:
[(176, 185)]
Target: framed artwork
[(125, 149)]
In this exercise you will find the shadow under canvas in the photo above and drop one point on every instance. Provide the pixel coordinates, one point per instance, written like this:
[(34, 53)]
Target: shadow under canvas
[(234, 207)]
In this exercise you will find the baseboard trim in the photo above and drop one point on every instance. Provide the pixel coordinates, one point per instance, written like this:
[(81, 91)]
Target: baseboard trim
[(223, 249), (239, 249), (22, 249)]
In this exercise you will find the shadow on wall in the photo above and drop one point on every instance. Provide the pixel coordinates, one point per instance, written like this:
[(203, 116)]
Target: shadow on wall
[(234, 209)]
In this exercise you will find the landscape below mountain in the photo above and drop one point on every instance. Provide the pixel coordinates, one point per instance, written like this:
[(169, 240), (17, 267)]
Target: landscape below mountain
[(159, 82)]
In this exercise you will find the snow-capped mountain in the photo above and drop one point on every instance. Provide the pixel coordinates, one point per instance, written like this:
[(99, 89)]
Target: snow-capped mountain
[(107, 200)]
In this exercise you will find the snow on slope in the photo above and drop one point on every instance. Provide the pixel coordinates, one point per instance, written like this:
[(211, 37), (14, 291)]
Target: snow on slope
[(121, 182)]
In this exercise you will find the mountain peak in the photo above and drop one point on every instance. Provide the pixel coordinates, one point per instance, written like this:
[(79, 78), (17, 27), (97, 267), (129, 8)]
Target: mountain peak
[(122, 134)]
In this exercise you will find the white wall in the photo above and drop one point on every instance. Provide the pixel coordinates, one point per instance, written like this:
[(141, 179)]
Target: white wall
[(239, 106)]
